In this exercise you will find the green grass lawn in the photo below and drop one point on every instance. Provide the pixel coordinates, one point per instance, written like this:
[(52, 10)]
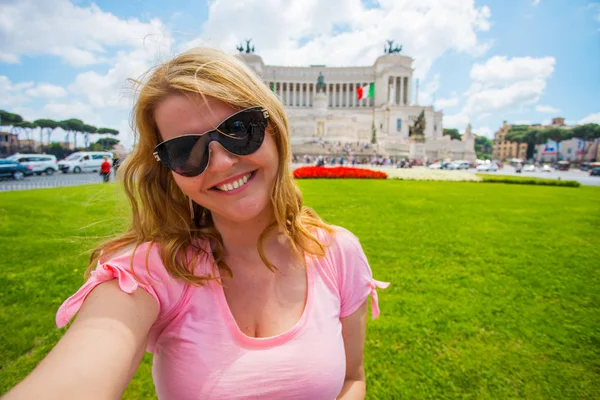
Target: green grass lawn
[(495, 288)]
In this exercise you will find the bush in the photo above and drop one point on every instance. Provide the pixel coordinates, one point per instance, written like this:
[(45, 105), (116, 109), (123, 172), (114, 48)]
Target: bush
[(337, 173), (516, 180)]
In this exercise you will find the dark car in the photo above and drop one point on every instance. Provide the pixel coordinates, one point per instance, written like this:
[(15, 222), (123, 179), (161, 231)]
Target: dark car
[(595, 171), (13, 169)]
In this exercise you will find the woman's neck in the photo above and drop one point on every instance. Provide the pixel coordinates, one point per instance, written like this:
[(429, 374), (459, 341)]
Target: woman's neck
[(241, 238)]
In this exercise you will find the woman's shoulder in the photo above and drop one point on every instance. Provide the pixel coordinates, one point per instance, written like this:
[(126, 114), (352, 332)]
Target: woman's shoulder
[(136, 266), (337, 238), (145, 260)]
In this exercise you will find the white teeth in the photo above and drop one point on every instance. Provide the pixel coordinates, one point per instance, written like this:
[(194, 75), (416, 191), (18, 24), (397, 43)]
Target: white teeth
[(235, 184)]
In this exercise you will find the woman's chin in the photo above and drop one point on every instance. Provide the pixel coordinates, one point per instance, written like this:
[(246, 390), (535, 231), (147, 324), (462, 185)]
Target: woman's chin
[(242, 213)]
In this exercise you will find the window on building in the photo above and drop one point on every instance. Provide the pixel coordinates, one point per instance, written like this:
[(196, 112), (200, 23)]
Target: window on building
[(569, 150), (399, 124)]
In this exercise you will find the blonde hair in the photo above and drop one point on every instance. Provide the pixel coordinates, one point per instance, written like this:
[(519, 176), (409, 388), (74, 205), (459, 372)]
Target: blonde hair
[(160, 210)]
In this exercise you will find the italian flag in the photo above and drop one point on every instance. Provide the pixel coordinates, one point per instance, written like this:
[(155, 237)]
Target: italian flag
[(366, 91)]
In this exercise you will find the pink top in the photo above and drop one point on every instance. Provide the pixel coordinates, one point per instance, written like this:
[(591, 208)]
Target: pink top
[(199, 351)]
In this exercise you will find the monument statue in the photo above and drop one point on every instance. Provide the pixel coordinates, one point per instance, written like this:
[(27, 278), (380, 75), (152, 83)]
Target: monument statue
[(320, 83), (249, 49), (417, 131), (390, 49)]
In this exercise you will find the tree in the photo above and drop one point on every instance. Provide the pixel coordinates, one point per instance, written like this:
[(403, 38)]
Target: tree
[(87, 129), (7, 118), (105, 143), (57, 150), (46, 124), (26, 127), (586, 131), (108, 131), (453, 133), (483, 147), (73, 126)]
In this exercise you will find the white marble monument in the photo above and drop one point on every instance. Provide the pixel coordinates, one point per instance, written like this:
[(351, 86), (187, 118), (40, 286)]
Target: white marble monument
[(334, 114)]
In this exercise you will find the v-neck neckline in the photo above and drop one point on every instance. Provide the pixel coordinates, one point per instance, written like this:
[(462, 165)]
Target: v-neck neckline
[(269, 340)]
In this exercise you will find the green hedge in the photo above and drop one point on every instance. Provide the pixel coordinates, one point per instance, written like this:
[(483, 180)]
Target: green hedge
[(517, 180)]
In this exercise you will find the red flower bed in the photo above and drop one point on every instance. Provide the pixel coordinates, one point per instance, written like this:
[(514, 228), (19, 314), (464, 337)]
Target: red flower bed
[(337, 172)]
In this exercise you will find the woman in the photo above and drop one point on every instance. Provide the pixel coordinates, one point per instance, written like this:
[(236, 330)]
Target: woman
[(245, 293)]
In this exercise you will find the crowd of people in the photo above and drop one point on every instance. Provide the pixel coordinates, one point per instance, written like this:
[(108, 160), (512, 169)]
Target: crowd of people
[(352, 160)]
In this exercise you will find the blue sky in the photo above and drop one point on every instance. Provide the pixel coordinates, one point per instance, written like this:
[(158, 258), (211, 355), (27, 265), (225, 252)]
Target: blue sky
[(480, 61)]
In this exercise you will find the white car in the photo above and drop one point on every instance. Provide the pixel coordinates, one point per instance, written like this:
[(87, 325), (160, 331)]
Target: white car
[(435, 166), (84, 161), (546, 168), (529, 168), (38, 163), (492, 167)]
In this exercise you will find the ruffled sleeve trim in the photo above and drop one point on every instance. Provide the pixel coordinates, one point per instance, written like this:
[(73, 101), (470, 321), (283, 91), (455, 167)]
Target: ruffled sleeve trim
[(104, 273), (374, 284)]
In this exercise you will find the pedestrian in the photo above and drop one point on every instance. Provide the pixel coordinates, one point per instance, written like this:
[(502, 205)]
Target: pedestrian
[(105, 169), (245, 292)]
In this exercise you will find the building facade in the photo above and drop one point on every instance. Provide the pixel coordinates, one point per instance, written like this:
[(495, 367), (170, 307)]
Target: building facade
[(573, 150), (9, 143), (334, 114), (504, 149)]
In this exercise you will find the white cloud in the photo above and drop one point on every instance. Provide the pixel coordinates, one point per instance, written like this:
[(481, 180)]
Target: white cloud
[(13, 94), (79, 35), (71, 109), (458, 121), (593, 118), (483, 131), (535, 2), (500, 83), (499, 70), (47, 90), (426, 30), (448, 102), (547, 109), (427, 91)]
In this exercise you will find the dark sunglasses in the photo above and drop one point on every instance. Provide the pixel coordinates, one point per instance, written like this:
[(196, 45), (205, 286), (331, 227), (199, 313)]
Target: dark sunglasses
[(240, 134)]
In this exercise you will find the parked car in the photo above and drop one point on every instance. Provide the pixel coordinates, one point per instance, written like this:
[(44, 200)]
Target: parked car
[(435, 166), (595, 171), (491, 167), (12, 169), (546, 168), (519, 168), (39, 163), (529, 168), (458, 165), (84, 161)]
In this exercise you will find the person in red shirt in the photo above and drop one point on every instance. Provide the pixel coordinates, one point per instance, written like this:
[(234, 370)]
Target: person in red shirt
[(105, 169)]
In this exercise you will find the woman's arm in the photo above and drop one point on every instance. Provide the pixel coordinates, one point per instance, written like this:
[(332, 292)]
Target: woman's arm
[(99, 354), (354, 331)]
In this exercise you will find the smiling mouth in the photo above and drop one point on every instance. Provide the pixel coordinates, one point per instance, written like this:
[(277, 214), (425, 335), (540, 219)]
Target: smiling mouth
[(227, 187)]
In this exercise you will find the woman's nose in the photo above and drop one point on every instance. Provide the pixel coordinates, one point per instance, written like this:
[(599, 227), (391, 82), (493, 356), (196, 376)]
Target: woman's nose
[(219, 158)]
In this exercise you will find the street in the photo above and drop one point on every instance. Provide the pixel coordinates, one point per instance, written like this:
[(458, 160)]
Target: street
[(580, 176), (44, 181)]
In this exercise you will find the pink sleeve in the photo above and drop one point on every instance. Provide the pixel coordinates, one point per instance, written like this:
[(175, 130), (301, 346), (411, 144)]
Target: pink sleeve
[(155, 280), (355, 278)]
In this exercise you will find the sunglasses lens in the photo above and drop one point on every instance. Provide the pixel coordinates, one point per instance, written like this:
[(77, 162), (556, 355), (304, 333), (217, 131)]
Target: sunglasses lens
[(186, 156), (241, 134), (244, 133)]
